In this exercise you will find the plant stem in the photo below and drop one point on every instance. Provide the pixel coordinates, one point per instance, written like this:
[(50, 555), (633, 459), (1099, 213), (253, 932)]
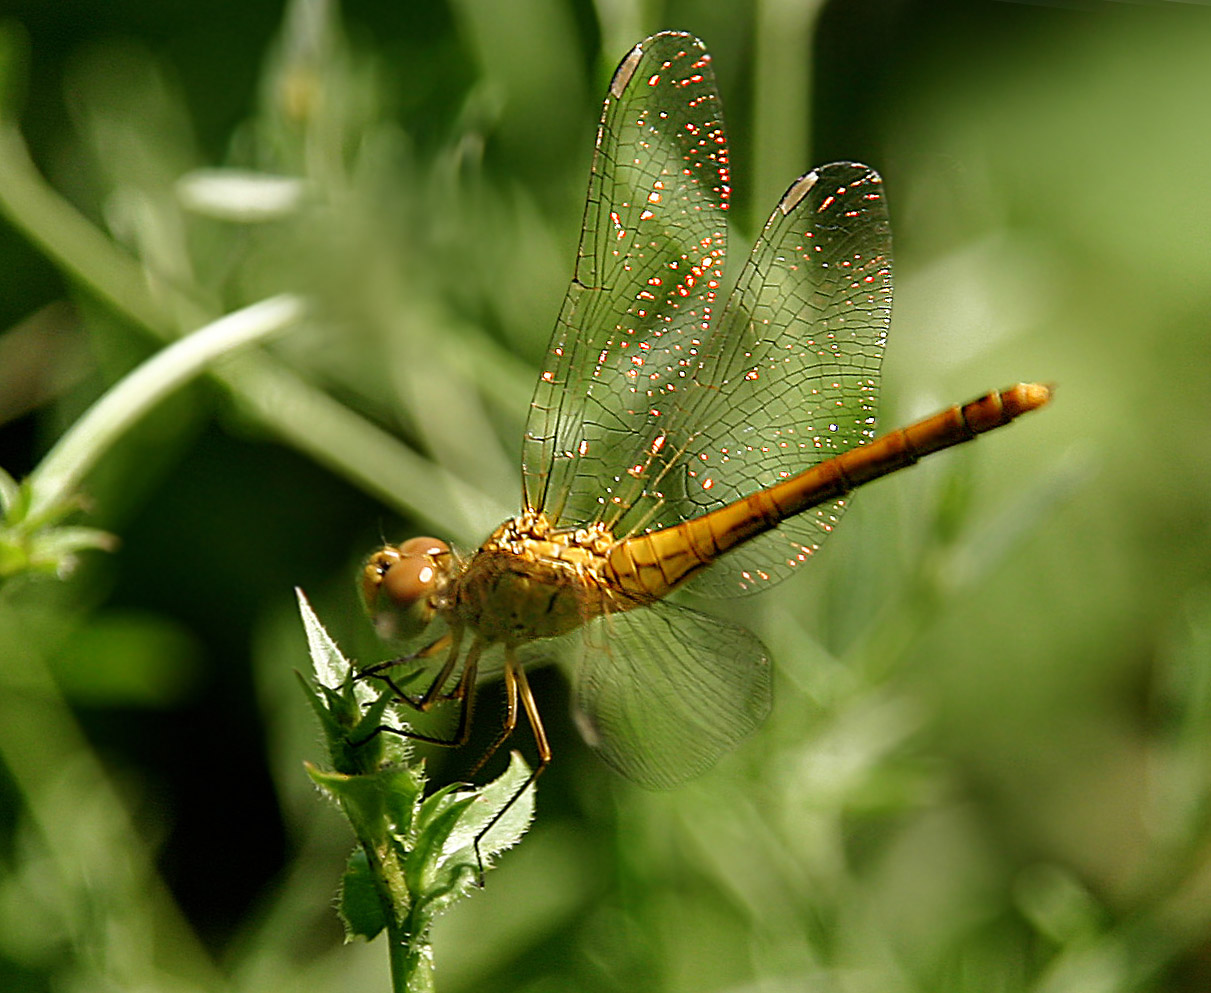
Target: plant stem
[(781, 97), (411, 962), (68, 237), (410, 954)]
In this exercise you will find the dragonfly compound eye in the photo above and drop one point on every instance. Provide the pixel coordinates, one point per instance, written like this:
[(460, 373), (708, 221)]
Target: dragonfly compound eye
[(398, 585)]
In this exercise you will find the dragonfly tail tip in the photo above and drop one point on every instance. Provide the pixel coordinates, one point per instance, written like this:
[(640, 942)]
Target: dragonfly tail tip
[(1030, 396)]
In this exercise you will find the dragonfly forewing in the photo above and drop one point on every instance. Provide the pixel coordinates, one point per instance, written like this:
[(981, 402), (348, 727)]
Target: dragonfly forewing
[(647, 275), (681, 408)]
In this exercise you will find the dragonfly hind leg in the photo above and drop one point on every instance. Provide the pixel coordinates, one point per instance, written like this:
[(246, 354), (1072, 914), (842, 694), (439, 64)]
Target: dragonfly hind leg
[(516, 686)]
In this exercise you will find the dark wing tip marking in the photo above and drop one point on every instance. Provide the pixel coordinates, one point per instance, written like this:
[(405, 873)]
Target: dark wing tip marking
[(803, 185), (625, 70), (798, 190)]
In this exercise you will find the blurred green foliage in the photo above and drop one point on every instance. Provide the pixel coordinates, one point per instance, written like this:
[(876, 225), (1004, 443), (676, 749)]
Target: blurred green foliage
[(987, 767)]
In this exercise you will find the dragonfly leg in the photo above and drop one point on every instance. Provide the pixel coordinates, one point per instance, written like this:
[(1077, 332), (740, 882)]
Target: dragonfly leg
[(464, 692), (510, 723), (378, 669), (449, 642), (516, 686)]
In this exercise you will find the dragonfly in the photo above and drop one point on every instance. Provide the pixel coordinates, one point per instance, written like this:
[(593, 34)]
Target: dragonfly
[(678, 437)]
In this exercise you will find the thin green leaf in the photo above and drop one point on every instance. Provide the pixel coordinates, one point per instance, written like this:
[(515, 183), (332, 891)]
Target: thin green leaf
[(10, 496), (54, 482), (508, 830), (377, 803), (331, 666)]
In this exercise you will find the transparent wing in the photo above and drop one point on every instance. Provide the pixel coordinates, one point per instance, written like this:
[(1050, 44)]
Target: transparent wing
[(647, 274), (662, 692), (797, 373), (787, 378), (653, 407)]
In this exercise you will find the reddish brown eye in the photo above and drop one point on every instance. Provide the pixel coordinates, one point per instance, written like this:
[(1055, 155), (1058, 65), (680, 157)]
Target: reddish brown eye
[(398, 584), (410, 579), (424, 546)]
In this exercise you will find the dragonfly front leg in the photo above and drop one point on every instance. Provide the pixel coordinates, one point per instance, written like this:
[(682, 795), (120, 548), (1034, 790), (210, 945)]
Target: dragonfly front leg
[(378, 670), (464, 691), (451, 641)]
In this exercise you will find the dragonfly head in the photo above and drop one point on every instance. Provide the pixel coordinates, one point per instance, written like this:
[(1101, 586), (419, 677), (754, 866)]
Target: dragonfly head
[(401, 584)]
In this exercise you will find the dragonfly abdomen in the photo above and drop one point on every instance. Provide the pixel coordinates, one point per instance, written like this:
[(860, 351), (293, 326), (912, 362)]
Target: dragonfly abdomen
[(905, 446), (652, 564)]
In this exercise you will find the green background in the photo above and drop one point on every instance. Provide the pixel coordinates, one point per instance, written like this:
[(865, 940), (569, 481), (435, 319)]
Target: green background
[(988, 766)]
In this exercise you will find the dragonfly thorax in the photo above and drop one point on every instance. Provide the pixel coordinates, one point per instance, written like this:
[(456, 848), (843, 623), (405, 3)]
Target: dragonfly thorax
[(529, 580)]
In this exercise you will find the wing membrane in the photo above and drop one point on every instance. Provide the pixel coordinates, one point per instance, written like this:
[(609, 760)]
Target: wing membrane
[(663, 692), (654, 407), (787, 378), (647, 274), (801, 343)]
